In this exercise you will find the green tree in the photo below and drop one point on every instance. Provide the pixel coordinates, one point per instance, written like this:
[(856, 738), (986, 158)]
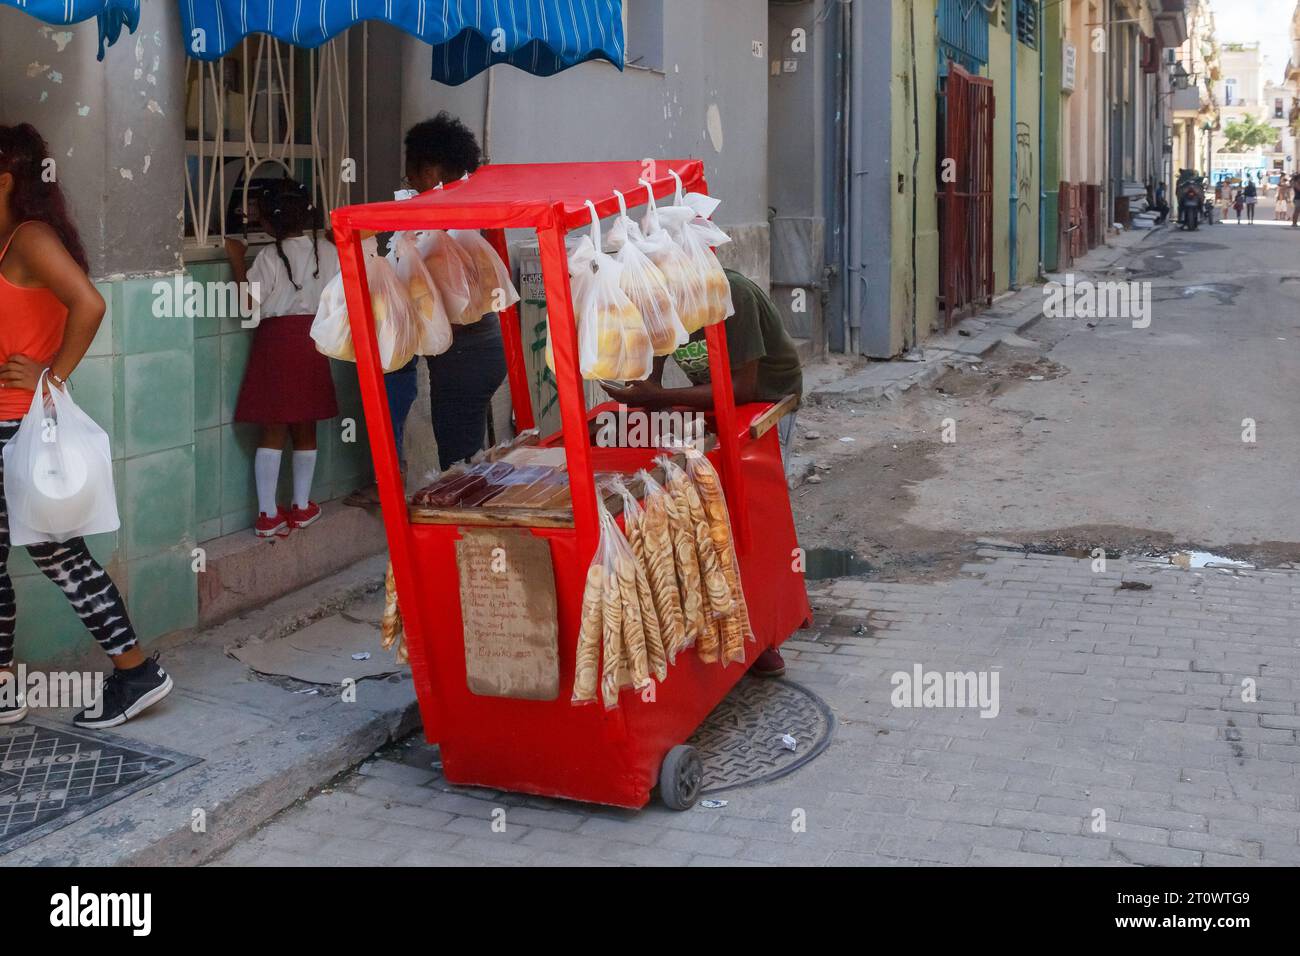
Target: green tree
[(1248, 133)]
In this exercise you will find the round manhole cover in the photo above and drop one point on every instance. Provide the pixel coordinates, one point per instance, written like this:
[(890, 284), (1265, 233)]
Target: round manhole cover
[(741, 741)]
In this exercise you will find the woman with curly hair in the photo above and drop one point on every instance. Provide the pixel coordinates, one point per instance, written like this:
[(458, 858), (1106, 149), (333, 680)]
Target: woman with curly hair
[(49, 314)]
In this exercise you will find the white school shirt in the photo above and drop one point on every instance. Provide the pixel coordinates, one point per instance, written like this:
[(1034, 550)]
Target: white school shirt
[(275, 293)]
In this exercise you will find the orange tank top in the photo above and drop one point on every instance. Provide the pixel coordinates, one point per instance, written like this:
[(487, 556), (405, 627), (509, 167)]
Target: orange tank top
[(31, 323)]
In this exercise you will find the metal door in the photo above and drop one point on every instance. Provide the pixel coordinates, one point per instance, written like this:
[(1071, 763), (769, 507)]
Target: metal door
[(965, 194)]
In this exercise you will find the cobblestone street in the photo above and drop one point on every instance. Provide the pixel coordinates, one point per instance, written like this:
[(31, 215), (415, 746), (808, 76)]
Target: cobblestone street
[(1121, 738)]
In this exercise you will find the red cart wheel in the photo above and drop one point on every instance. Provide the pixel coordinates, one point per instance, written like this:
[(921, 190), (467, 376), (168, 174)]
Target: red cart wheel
[(681, 777)]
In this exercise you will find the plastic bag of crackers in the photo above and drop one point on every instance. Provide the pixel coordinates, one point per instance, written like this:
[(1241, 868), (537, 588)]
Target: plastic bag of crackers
[(730, 617), (611, 651)]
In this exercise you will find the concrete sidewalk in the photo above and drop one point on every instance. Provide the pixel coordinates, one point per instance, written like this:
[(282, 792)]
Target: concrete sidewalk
[(261, 745)]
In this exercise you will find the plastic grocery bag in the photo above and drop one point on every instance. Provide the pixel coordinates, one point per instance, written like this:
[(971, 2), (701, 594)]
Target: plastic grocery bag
[(612, 340), (687, 221), (58, 479), (611, 649), (645, 285), (426, 300), (733, 627), (489, 278), (450, 267), (396, 325), (683, 275)]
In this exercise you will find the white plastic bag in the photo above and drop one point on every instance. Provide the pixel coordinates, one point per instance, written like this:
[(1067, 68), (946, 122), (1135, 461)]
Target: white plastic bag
[(58, 478), (612, 340), (426, 300), (687, 221), (450, 266), (645, 285), (396, 325), (489, 279), (686, 280)]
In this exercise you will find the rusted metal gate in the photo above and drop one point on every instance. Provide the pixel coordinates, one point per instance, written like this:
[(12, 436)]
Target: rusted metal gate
[(965, 195)]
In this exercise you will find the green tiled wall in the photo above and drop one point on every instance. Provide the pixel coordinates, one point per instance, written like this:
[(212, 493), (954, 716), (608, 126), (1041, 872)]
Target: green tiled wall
[(225, 499), (137, 381)]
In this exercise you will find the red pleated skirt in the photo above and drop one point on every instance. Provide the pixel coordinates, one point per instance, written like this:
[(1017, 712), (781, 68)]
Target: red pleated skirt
[(286, 380)]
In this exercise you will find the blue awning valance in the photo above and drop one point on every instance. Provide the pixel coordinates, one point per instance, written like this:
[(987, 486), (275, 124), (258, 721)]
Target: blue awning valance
[(112, 15), (467, 36)]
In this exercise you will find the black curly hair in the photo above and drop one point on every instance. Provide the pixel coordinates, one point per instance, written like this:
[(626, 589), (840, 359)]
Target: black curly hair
[(443, 145), (285, 209)]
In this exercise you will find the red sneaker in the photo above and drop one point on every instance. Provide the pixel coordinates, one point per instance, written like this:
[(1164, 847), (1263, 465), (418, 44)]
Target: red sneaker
[(302, 517), (272, 526), (768, 664)]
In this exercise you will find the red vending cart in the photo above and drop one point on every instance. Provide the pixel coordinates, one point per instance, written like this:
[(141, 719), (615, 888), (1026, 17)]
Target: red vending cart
[(550, 747)]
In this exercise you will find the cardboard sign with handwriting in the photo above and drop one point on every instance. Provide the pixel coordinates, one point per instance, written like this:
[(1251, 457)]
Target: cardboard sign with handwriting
[(507, 602)]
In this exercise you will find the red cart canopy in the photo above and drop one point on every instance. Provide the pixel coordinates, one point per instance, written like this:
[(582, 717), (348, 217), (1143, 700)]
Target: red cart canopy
[(526, 196)]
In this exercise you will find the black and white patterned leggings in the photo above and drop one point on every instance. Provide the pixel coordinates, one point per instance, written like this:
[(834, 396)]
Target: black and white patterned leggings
[(92, 592)]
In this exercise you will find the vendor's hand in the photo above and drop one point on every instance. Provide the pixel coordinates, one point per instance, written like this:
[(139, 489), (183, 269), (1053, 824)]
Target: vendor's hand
[(641, 394), (235, 246), (21, 372)]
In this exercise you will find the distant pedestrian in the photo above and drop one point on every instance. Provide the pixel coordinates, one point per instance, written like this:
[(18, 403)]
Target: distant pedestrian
[(1295, 200), (1252, 197), (1239, 203)]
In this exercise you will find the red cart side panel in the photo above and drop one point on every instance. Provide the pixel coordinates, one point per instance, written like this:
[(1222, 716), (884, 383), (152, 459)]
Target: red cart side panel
[(553, 748)]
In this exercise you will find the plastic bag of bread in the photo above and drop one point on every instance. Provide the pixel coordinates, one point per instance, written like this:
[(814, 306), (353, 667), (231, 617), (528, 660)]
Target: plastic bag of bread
[(392, 632), (396, 326), (426, 300), (450, 267), (661, 566), (612, 340), (734, 627), (683, 275), (645, 285), (490, 287), (611, 651), (687, 221)]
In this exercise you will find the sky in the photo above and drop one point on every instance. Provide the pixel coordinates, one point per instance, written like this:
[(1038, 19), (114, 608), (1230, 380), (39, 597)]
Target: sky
[(1267, 21)]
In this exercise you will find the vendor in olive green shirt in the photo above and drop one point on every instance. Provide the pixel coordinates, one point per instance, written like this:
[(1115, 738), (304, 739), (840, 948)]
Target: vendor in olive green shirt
[(764, 362)]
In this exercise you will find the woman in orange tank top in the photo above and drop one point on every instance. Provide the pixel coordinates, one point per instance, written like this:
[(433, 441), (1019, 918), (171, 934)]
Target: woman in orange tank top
[(49, 314)]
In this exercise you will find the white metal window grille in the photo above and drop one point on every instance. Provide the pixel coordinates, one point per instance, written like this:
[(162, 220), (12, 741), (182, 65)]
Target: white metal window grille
[(267, 110)]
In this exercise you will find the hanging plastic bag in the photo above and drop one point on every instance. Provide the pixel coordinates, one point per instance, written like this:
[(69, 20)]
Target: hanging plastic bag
[(734, 627), (686, 562), (687, 220), (661, 566), (396, 326), (426, 300), (489, 278), (611, 650), (634, 531), (612, 340), (450, 267), (683, 275), (58, 472), (645, 285)]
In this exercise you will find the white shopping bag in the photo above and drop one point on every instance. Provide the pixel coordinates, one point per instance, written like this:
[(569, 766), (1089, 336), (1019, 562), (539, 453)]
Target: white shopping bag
[(58, 473)]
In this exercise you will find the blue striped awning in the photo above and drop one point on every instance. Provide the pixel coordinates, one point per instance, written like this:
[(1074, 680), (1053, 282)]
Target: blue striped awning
[(112, 15), (540, 36)]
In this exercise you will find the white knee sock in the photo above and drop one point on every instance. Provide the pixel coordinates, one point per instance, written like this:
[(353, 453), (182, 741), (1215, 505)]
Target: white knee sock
[(304, 467), (266, 469)]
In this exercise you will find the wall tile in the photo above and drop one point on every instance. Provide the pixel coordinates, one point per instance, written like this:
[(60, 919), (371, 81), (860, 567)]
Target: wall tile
[(103, 341), (158, 511), (207, 476), (46, 626), (141, 330), (163, 593), (205, 531), (92, 390), (238, 489), (207, 382), (159, 401), (234, 358)]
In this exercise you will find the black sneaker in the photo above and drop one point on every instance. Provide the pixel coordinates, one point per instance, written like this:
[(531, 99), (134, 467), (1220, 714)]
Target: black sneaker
[(13, 702), (126, 694)]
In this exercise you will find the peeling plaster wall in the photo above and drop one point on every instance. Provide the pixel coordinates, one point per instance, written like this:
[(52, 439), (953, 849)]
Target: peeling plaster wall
[(107, 123)]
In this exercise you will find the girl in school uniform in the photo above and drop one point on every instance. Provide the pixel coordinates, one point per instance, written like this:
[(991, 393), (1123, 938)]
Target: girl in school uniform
[(287, 385)]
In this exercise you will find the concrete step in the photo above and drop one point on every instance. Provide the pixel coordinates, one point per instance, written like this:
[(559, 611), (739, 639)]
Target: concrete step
[(245, 571)]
